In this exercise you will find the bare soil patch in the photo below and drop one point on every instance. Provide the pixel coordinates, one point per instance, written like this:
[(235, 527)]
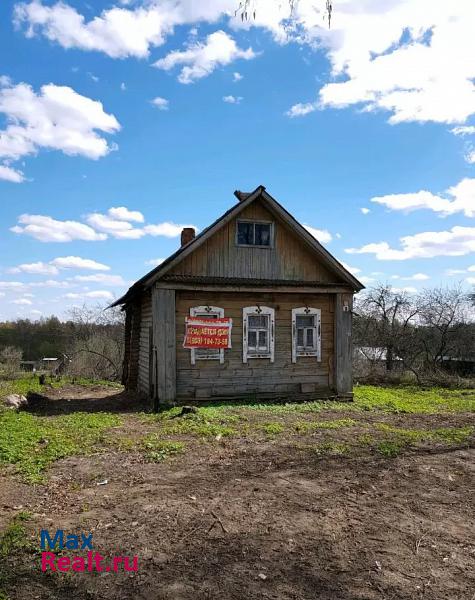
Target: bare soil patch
[(258, 516)]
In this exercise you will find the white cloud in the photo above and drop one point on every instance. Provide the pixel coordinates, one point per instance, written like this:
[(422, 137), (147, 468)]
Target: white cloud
[(12, 175), (463, 130), (37, 268), (51, 283), (415, 277), (57, 118), (237, 76), (470, 155), (121, 213), (117, 32), (322, 235), (160, 103), (470, 280), (166, 229), (461, 198), (154, 262), (365, 210), (365, 279), (123, 87), (452, 272), (12, 285), (408, 58), (232, 99), (353, 270), (408, 289), (458, 241), (2, 294), (302, 109), (47, 229), (105, 279), (200, 59), (118, 228), (22, 302), (76, 262), (98, 294)]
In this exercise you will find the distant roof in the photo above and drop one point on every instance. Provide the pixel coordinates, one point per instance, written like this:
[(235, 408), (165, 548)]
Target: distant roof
[(374, 353), (49, 359), (245, 199)]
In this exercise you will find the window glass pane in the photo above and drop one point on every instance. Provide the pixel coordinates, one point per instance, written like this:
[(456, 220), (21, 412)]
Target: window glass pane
[(299, 337), (257, 321), (252, 338), (246, 233), (310, 338), (305, 321), (263, 339), (262, 234)]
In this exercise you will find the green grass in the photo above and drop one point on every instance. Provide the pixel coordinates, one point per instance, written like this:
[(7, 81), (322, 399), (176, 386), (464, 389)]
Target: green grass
[(32, 443), (329, 448), (13, 540), (29, 383), (272, 429), (205, 423), (411, 400), (157, 450), (398, 438)]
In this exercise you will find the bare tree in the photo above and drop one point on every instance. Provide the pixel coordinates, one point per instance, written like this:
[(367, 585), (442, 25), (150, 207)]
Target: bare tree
[(444, 314), (98, 346), (10, 359), (248, 9), (385, 321)]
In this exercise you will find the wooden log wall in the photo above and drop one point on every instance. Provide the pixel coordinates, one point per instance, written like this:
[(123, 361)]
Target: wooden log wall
[(257, 376)]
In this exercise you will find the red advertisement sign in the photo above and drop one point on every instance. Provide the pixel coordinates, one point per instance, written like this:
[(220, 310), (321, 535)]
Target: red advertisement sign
[(207, 333)]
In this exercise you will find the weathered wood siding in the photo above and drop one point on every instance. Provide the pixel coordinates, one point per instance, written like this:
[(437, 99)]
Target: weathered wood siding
[(144, 354), (209, 378), (289, 259), (343, 344)]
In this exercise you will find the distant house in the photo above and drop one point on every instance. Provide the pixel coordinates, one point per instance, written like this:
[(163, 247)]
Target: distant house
[(253, 306), (48, 364)]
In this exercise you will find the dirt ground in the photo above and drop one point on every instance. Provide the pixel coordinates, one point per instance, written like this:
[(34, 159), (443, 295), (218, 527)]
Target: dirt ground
[(264, 518)]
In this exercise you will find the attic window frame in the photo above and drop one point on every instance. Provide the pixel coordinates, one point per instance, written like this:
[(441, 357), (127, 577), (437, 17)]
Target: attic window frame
[(256, 222)]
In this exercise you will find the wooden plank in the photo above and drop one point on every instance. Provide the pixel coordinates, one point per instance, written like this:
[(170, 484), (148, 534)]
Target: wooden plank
[(343, 345), (164, 343)]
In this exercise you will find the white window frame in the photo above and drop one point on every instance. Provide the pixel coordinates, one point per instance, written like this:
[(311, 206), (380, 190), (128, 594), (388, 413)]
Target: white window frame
[(248, 311), (305, 311), (196, 311)]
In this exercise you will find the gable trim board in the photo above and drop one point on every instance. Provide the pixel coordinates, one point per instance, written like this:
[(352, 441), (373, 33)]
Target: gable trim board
[(274, 207)]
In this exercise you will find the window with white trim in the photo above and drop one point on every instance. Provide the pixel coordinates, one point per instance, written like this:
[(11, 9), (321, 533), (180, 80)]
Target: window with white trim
[(306, 332), (207, 312), (258, 325)]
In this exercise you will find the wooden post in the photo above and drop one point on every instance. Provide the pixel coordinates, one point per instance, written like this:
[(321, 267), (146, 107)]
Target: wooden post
[(343, 346), (164, 345)]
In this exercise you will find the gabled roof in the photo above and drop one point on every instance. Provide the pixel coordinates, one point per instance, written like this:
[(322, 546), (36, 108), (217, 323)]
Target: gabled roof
[(245, 200)]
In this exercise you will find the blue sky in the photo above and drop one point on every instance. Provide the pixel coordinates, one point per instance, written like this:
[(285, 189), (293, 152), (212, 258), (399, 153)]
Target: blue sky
[(376, 113)]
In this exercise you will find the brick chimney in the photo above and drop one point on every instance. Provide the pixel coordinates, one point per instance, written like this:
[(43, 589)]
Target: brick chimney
[(187, 234)]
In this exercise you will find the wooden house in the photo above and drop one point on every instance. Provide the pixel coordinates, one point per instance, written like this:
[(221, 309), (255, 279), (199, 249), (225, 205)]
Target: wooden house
[(289, 302)]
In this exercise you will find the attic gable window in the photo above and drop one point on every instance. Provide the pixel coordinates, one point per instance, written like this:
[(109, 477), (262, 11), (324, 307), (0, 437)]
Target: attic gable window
[(258, 332), (254, 233), (208, 312), (306, 332)]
